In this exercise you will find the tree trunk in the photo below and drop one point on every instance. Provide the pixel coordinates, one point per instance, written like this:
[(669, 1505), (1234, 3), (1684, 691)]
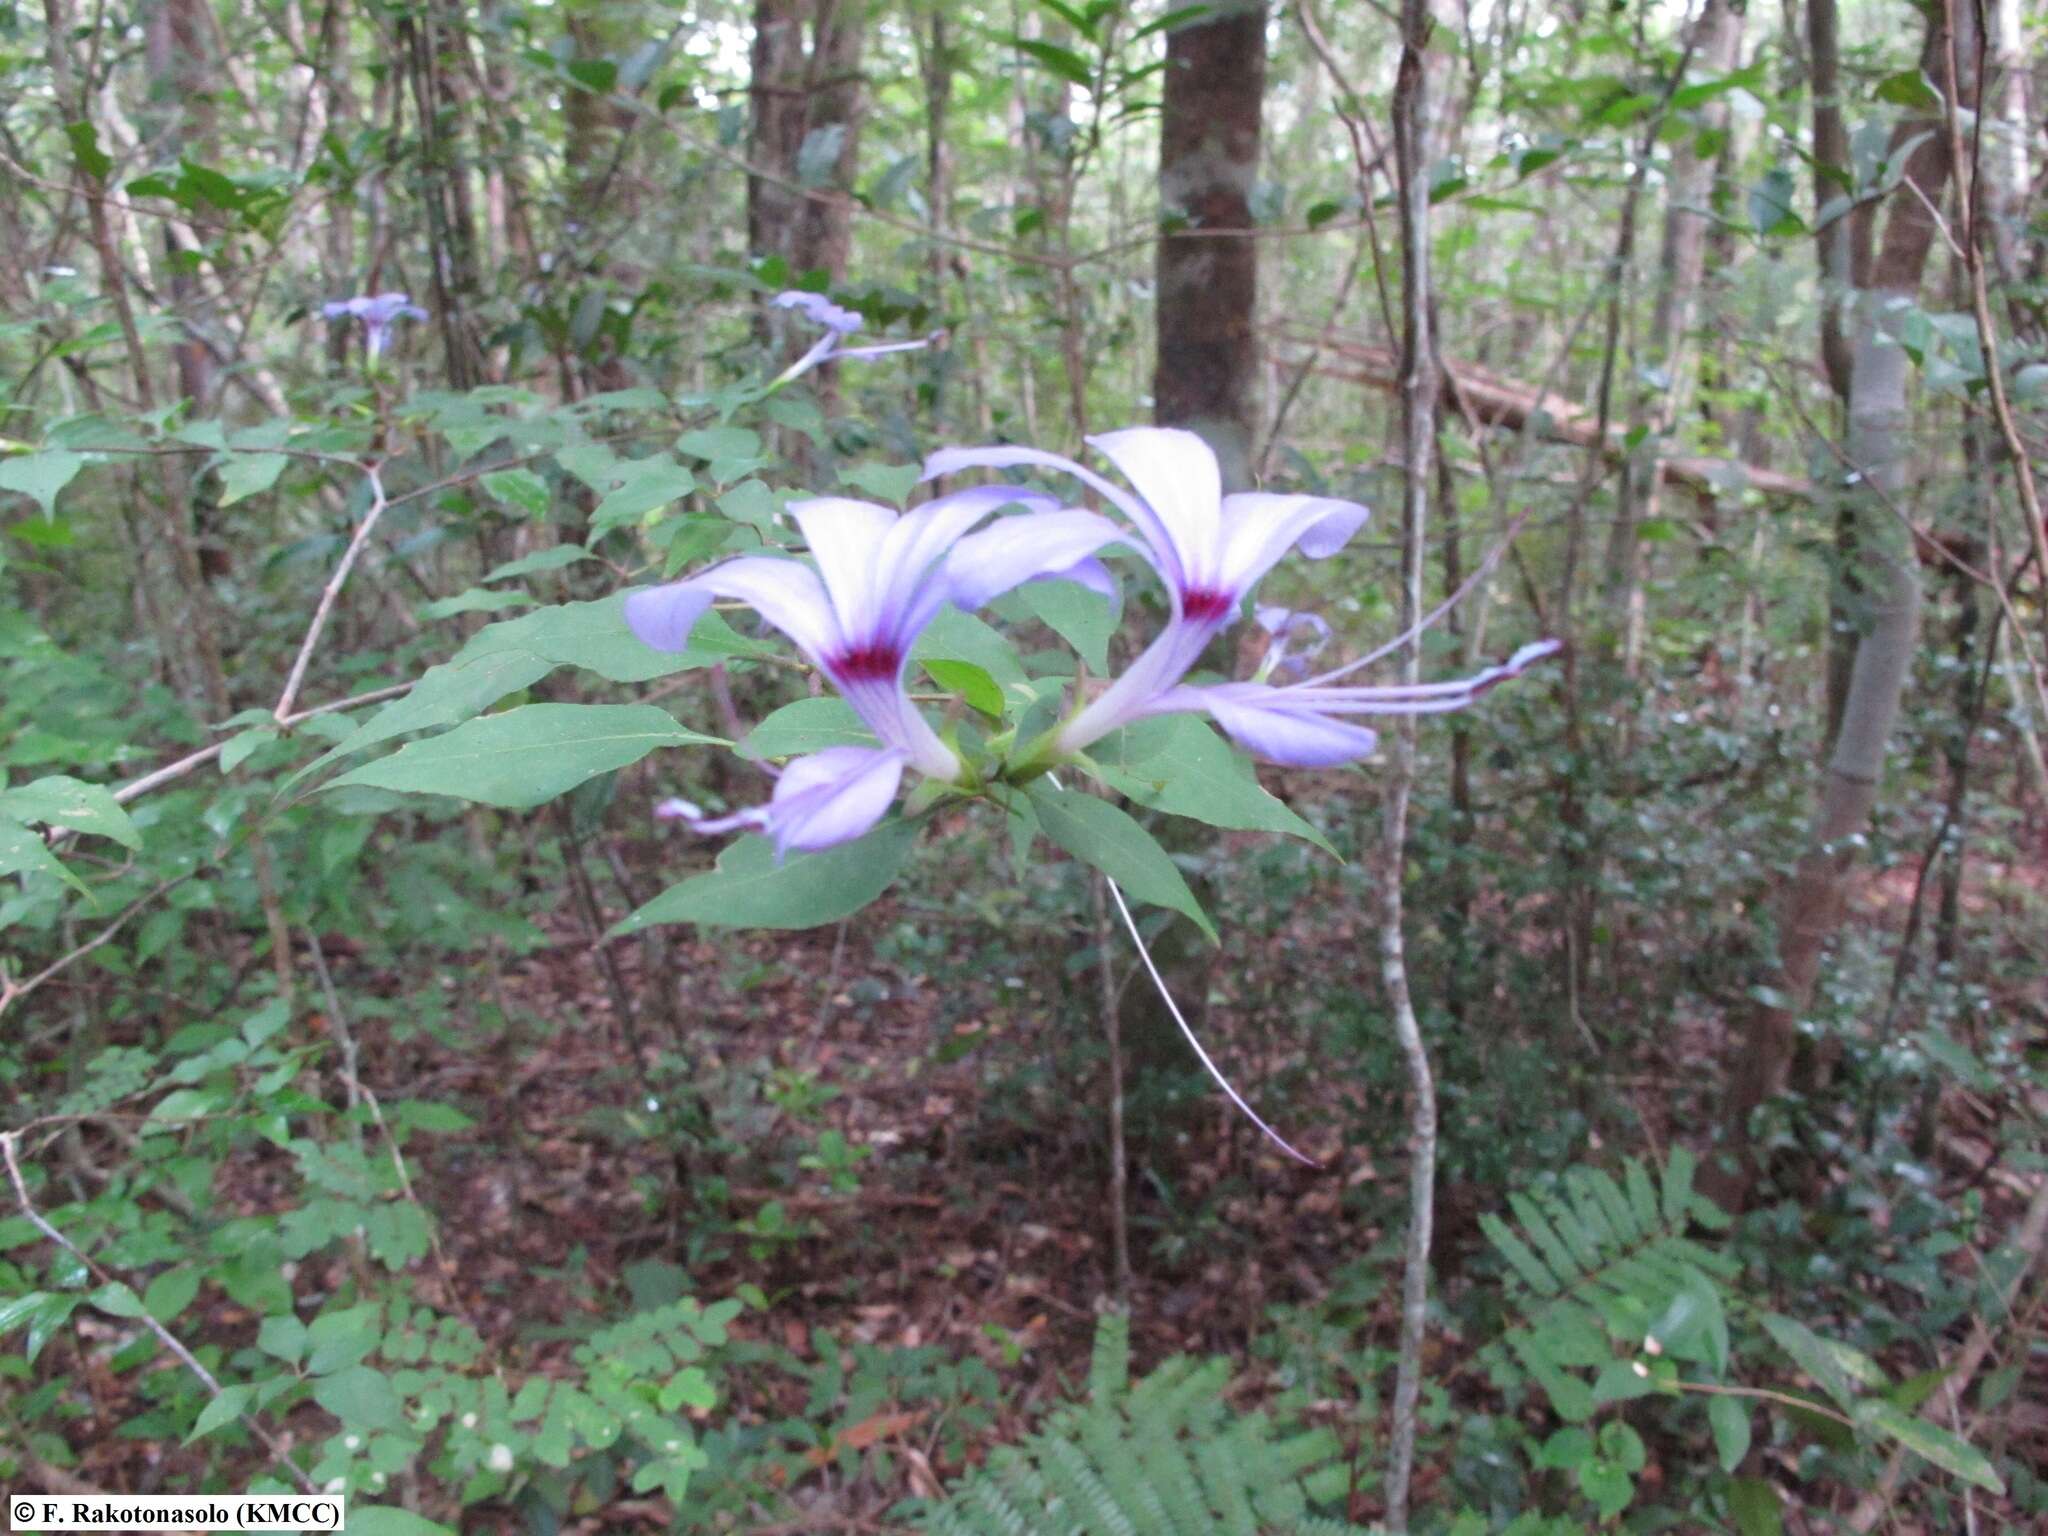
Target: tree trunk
[(805, 98), (1206, 375), (1716, 45), (1815, 895), (1207, 368)]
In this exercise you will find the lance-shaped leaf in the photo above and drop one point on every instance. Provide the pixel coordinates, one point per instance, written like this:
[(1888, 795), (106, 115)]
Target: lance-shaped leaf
[(749, 889), (528, 755), (1097, 833)]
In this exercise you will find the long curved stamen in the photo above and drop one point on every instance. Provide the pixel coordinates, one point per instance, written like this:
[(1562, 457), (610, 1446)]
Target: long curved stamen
[(1187, 1031)]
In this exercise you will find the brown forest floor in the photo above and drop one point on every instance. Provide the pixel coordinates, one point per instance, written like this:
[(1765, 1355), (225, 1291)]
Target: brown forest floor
[(974, 1232)]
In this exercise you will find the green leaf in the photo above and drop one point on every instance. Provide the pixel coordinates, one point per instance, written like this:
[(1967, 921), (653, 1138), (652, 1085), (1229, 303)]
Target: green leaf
[(85, 149), (1177, 764), (708, 443), (689, 1386), (47, 1319), (1909, 88), (1564, 1450), (749, 889), (503, 658), (1728, 1417), (1929, 1443), (41, 475), (527, 755), (117, 1299), (1083, 618), (474, 600), (552, 558), (752, 503), (807, 725), (1064, 62), (282, 1335), (62, 801), (892, 483), (1835, 1368), (341, 1339), (23, 852), (362, 1398), (1607, 1485), (817, 158), (956, 636), (1755, 1504), (630, 488), (1098, 833), (171, 1293), (224, 1409), (520, 488), (379, 1521), (971, 683), (249, 474), (1773, 205), (15, 1310), (243, 744)]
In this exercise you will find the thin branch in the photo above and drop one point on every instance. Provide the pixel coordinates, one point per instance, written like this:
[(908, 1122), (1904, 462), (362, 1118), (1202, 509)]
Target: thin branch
[(278, 1456)]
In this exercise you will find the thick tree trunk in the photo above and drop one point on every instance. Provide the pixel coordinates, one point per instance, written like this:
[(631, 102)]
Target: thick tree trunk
[(1207, 368), (805, 90), (1814, 898), (805, 97)]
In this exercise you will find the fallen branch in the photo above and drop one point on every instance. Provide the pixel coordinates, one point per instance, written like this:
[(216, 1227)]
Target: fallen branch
[(1487, 399)]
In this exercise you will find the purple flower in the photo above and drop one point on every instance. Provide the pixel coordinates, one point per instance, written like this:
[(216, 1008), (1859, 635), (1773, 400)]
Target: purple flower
[(377, 312), (828, 798), (839, 323), (1303, 725), (879, 579), (1288, 626), (1210, 549)]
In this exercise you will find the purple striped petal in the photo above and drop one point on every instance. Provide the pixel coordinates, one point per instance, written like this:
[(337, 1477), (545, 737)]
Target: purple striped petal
[(820, 310), (1260, 527), (1298, 738), (1020, 549), (821, 801), (1176, 474), (1159, 544), (786, 594)]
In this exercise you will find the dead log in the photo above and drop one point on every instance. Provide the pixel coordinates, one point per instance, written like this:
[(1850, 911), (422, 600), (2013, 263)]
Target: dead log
[(1489, 400)]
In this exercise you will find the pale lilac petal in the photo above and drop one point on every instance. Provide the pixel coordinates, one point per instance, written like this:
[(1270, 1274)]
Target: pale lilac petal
[(1298, 738), (1297, 638), (1260, 527), (1176, 474), (1159, 667), (337, 309), (1419, 698), (879, 348), (847, 539), (832, 797), (784, 593), (664, 616), (1160, 547), (1091, 574), (828, 798), (915, 557), (1020, 549), (820, 310)]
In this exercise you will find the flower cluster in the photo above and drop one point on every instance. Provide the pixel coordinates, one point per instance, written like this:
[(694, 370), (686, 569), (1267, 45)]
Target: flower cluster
[(876, 578), (378, 312)]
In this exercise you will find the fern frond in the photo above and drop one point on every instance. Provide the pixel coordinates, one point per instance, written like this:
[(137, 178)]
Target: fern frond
[(1590, 1254), (1162, 1456), (1109, 1367)]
